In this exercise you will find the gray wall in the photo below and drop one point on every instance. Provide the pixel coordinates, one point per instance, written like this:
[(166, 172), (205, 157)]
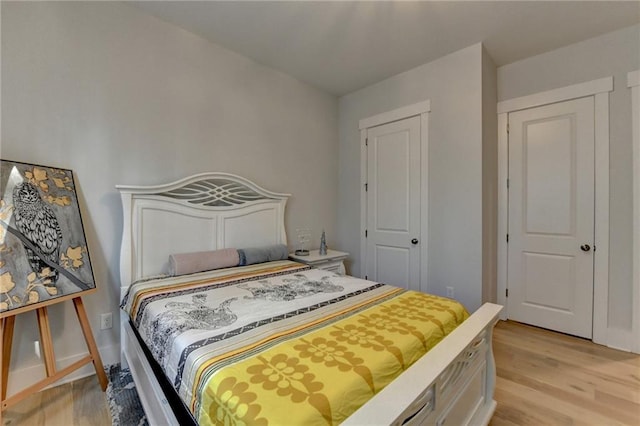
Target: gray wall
[(121, 97), (489, 178), (454, 86), (613, 54)]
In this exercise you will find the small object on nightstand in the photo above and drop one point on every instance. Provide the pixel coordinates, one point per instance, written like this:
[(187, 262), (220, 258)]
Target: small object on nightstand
[(323, 244), (332, 261), (304, 236)]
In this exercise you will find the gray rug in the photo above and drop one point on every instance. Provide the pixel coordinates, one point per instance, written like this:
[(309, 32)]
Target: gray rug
[(124, 403)]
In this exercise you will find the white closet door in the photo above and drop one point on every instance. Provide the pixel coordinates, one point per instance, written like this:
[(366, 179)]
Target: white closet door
[(393, 203), (551, 216)]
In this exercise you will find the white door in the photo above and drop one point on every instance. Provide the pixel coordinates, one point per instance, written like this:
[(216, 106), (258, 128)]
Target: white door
[(393, 203), (551, 216)]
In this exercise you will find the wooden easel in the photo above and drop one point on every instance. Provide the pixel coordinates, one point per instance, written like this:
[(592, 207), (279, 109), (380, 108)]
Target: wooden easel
[(7, 323)]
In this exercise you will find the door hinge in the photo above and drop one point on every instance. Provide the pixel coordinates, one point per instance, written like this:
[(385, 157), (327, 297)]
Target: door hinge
[(366, 187), (366, 233), (366, 142), (507, 182), (507, 238), (594, 247), (507, 127), (507, 293)]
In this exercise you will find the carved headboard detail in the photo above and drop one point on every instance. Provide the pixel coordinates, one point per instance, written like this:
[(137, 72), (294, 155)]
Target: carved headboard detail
[(207, 211)]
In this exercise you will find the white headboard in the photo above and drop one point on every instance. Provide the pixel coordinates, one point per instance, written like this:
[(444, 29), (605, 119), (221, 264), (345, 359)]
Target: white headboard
[(207, 211)]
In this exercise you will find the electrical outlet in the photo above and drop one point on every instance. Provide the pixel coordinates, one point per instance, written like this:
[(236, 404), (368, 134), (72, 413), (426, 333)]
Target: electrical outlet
[(450, 292), (106, 321)]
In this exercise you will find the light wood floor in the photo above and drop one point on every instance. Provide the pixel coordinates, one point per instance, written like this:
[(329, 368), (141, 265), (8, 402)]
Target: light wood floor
[(553, 379), (79, 403), (544, 378)]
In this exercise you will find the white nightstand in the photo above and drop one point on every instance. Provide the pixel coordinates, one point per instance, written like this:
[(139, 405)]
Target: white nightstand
[(332, 261)]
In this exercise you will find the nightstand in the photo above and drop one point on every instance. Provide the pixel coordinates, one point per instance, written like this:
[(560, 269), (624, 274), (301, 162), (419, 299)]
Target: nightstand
[(332, 261)]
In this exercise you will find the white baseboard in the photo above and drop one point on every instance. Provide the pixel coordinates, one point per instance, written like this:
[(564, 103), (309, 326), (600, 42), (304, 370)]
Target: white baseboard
[(24, 377)]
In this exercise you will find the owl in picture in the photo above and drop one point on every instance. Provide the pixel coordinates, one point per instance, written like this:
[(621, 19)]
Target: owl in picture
[(38, 223)]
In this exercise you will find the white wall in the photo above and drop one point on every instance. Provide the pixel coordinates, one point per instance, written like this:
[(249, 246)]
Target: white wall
[(613, 54), (489, 178), (454, 86), (120, 97)]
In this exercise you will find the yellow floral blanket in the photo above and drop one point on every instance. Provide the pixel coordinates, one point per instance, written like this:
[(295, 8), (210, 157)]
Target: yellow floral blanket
[(284, 344)]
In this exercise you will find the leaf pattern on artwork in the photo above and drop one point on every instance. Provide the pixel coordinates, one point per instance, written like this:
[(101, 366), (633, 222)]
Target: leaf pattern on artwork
[(38, 177), (6, 282), (44, 178), (33, 297), (3, 249), (72, 258), (62, 201)]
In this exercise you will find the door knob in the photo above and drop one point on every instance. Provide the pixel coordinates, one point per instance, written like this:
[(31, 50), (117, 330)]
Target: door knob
[(414, 241), (585, 247)]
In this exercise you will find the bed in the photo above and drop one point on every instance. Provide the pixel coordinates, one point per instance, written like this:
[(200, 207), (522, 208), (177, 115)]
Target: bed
[(208, 371)]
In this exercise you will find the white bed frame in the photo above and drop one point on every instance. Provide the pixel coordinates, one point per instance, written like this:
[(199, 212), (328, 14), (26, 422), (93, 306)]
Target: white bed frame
[(452, 383)]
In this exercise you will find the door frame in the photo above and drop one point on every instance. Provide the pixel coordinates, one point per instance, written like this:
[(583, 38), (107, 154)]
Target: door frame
[(633, 83), (599, 89), (421, 109)]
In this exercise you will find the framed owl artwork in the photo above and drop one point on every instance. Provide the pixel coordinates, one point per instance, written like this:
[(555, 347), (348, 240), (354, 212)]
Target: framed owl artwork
[(44, 256)]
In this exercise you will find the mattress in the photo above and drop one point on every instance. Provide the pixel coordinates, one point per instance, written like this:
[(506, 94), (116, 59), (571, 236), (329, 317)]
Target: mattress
[(283, 343)]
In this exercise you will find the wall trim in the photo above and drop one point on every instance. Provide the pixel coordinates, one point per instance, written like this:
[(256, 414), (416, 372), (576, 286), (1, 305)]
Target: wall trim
[(424, 200), (633, 78), (580, 90), (422, 109), (633, 82), (601, 237), (600, 90), (503, 211), (395, 115), (364, 164)]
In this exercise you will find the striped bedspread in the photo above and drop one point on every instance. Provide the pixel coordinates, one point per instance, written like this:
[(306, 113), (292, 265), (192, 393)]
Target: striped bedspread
[(282, 343)]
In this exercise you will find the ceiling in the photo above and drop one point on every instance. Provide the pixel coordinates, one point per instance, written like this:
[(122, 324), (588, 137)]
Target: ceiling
[(341, 47)]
